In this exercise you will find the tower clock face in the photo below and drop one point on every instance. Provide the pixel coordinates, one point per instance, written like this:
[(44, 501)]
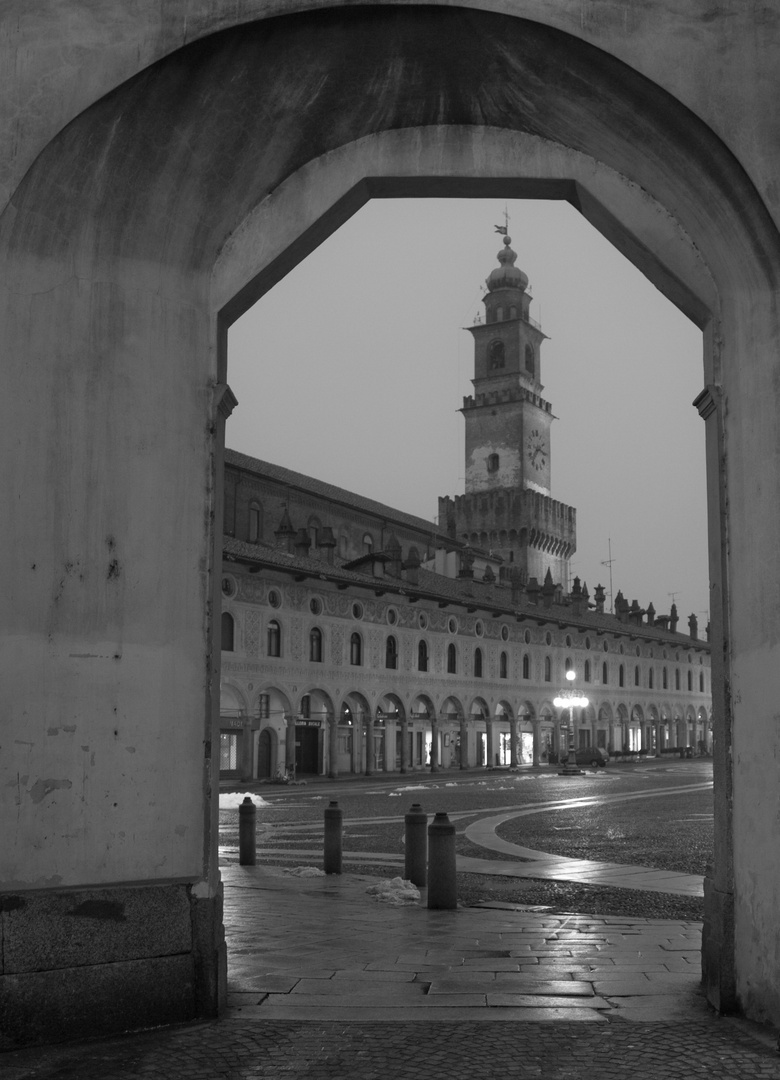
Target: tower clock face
[(536, 449)]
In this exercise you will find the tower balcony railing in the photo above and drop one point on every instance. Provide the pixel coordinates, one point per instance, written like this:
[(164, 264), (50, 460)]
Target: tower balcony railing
[(479, 321)]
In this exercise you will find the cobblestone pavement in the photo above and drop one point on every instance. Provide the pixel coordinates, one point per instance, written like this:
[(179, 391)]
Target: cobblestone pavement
[(447, 1050)]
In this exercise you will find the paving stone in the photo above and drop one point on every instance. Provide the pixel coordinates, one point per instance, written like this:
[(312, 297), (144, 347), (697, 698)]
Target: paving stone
[(642, 987), (547, 1001), (452, 985)]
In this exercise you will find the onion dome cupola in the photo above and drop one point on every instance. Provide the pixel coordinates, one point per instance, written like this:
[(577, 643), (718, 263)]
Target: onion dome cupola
[(507, 296)]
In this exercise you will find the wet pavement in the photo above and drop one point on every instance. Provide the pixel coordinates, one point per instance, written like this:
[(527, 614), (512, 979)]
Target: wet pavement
[(326, 982)]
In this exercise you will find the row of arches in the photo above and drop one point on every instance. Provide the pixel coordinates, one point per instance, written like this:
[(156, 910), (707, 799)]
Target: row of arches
[(274, 732)]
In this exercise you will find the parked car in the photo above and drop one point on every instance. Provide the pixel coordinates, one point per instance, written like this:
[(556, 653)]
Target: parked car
[(591, 755)]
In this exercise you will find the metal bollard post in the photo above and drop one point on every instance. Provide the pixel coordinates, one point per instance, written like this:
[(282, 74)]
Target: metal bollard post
[(333, 830), (442, 882), (247, 844), (416, 846)]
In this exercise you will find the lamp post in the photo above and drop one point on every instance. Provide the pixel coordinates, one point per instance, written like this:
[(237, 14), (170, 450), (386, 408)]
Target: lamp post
[(571, 700)]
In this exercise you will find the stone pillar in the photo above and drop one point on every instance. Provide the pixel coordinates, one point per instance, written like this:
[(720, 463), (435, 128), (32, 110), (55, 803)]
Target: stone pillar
[(390, 740), (289, 743), (404, 744), (369, 727), (513, 742), (537, 752), (333, 746), (246, 750), (464, 743), (489, 752)]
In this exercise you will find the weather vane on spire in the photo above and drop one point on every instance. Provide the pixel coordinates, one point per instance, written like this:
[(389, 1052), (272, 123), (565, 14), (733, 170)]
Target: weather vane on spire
[(504, 229)]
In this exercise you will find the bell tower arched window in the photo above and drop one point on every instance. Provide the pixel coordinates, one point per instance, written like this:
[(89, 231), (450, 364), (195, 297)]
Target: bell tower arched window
[(530, 360), (496, 357)]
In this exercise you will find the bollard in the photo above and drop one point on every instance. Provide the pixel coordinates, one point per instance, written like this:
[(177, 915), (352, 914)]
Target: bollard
[(442, 883), (247, 844), (332, 860), (416, 846)]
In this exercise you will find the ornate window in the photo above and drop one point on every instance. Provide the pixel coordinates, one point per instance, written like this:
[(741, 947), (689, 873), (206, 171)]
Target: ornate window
[(502, 666), (587, 671), (368, 543), (274, 638), (604, 674), (452, 659), (391, 652), (315, 645), (665, 679), (422, 656), (701, 682), (651, 678), (677, 678), (356, 650), (636, 675), (478, 663), (526, 666), (621, 676), (547, 669), (228, 632), (690, 680)]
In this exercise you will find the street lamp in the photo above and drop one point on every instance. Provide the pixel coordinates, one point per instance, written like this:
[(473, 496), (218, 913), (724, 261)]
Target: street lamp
[(571, 700)]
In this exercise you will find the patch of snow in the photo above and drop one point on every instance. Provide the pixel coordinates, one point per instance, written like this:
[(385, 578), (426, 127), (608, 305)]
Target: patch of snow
[(305, 871), (231, 800), (395, 891)]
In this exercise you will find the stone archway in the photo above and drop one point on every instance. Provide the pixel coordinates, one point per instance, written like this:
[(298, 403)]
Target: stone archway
[(132, 245)]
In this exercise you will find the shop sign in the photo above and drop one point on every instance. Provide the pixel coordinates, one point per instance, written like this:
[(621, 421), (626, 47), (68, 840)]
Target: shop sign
[(302, 722)]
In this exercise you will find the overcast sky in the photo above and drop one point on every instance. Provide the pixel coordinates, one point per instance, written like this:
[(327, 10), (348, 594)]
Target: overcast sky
[(353, 367)]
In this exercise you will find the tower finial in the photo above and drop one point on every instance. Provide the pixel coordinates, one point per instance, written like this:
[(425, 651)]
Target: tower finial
[(504, 229)]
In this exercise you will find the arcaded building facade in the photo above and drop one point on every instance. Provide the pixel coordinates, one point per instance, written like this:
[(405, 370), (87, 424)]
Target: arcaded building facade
[(358, 638)]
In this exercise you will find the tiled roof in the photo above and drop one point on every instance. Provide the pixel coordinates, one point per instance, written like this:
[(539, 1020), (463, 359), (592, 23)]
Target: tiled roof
[(469, 593), (288, 477)]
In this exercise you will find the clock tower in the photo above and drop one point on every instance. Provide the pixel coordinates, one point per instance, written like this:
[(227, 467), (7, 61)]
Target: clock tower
[(507, 507)]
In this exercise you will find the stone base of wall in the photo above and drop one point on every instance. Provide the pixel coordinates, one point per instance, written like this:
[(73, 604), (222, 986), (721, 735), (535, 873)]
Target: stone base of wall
[(717, 948), (85, 962)]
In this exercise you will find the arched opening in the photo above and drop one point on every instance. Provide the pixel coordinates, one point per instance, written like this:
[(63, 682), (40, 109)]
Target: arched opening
[(632, 141)]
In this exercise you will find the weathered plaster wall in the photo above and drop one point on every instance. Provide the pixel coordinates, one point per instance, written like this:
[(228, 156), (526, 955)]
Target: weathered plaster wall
[(720, 60), (236, 155)]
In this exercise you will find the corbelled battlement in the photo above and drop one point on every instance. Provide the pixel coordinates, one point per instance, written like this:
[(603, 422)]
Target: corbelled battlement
[(507, 395)]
